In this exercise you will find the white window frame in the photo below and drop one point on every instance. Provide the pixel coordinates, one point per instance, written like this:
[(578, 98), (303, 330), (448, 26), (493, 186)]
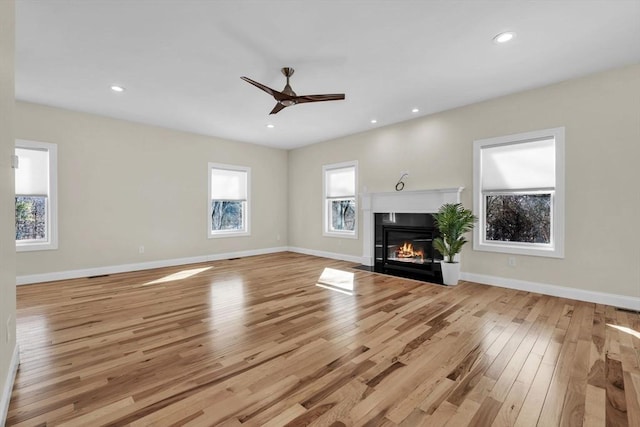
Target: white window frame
[(555, 249), (51, 243), (326, 217), (246, 231)]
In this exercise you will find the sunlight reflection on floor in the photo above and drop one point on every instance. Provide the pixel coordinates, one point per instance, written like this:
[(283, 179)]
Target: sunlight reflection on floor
[(626, 330), (227, 304), (337, 280), (178, 276)]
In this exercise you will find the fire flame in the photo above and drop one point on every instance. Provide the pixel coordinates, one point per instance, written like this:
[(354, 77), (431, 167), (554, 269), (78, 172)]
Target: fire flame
[(407, 251)]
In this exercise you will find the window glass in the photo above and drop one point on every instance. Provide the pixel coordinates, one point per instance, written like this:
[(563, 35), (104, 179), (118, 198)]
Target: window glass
[(524, 218), (519, 193), (229, 200), (35, 196), (31, 218), (340, 207)]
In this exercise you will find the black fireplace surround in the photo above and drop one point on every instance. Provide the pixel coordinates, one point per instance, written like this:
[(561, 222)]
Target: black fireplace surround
[(404, 246)]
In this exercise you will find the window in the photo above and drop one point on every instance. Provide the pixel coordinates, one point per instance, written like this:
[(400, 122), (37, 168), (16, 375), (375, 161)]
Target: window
[(519, 193), (228, 200), (340, 212), (35, 196)]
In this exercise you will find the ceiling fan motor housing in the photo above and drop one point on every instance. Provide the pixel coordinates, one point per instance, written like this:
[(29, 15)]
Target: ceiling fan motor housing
[(288, 71)]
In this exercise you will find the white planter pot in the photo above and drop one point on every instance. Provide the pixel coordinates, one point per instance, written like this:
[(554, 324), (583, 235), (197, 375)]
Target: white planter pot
[(450, 272)]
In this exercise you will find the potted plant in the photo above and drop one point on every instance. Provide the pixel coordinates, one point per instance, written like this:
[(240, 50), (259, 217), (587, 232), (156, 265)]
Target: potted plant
[(453, 221)]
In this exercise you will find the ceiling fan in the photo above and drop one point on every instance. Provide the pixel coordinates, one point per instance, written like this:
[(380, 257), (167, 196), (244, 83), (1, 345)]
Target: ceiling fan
[(288, 97)]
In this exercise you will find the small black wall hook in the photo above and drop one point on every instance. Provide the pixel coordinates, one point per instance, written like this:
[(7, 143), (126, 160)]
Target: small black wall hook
[(400, 183)]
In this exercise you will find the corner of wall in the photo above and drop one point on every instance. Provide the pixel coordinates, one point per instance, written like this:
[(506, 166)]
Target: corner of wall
[(5, 398), (8, 347)]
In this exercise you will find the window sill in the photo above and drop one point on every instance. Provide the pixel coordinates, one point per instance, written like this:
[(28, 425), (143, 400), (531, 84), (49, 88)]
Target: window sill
[(222, 235), (32, 247), (340, 235), (521, 249)]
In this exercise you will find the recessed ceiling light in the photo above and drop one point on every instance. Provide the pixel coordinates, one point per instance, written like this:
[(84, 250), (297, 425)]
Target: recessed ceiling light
[(415, 110), (270, 126), (504, 37), (117, 88), (374, 121)]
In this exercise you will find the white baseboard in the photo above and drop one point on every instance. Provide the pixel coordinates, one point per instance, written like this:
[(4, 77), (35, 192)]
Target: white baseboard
[(615, 300), (123, 268), (323, 254), (622, 301), (628, 302), (8, 385)]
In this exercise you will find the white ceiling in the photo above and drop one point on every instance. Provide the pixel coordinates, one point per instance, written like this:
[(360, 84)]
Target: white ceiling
[(181, 60)]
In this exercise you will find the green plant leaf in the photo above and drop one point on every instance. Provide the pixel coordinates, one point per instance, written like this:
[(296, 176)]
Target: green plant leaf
[(453, 221)]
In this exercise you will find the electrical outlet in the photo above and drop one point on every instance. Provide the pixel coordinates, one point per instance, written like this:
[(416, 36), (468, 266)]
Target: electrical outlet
[(278, 237), (511, 261), (141, 249)]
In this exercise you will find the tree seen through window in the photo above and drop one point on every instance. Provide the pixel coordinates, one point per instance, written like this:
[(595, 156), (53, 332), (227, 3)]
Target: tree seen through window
[(226, 215), (343, 215), (31, 218), (522, 218)]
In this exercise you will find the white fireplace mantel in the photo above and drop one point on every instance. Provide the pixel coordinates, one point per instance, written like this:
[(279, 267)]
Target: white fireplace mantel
[(421, 201)]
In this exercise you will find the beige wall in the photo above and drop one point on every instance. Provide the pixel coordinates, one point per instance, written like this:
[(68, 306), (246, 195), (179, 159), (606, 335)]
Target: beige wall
[(122, 185), (601, 114), (7, 215)]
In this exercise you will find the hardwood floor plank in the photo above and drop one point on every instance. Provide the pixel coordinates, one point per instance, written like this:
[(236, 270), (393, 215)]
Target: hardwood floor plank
[(510, 408), (486, 413), (632, 396), (443, 415), (463, 414), (552, 409), (254, 342), (286, 416), (573, 408), (594, 407), (616, 404)]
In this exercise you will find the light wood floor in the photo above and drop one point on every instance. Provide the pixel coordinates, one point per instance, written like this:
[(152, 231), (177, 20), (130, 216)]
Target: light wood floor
[(254, 341)]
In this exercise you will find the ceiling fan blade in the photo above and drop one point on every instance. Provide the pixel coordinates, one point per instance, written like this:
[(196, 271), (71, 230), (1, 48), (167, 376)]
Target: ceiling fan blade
[(277, 108), (278, 96), (267, 89), (319, 98), (288, 97)]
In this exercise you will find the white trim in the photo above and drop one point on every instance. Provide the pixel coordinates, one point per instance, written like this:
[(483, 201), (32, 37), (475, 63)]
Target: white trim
[(323, 254), (124, 268), (627, 302), (8, 384), (52, 199), (247, 211), (325, 205), (420, 201), (556, 248)]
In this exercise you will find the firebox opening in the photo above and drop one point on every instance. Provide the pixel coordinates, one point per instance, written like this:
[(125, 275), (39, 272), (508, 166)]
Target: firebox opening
[(404, 246), (406, 253)]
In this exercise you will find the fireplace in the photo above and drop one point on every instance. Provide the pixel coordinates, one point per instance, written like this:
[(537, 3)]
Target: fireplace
[(403, 217), (404, 246)]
